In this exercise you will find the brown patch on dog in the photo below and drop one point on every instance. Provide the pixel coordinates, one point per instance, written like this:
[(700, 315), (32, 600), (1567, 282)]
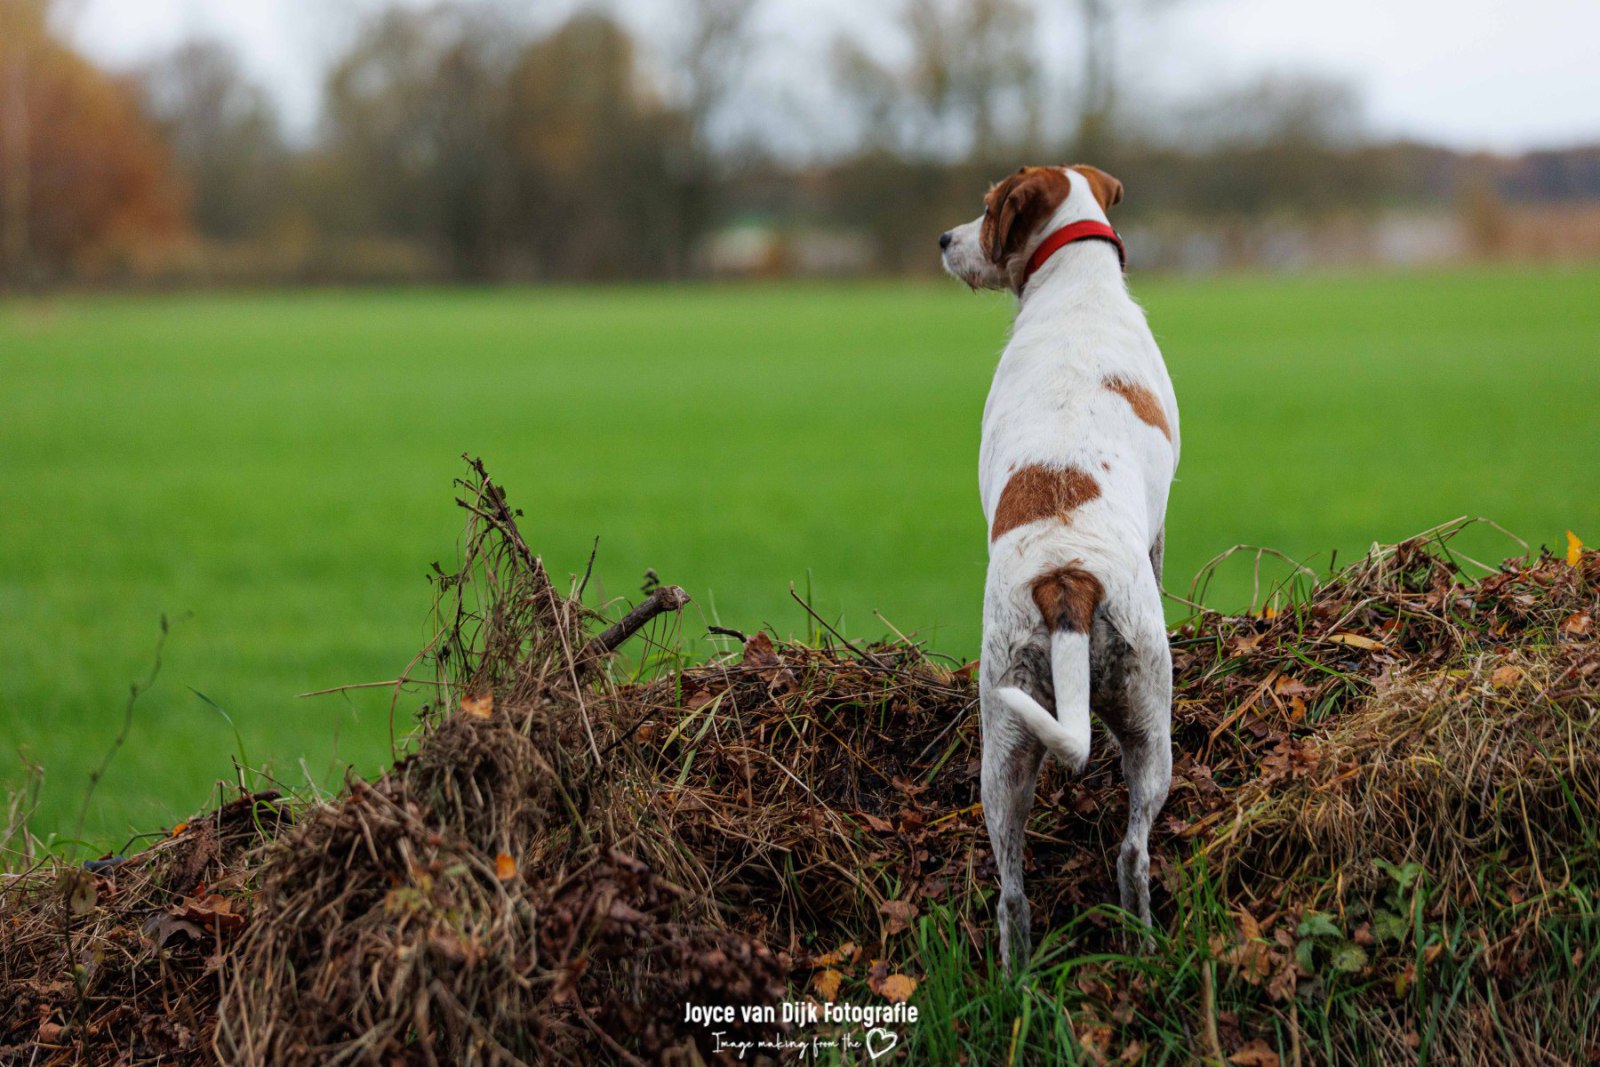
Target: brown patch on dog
[(1144, 403), (1106, 189), (1015, 207), (1067, 597), (1037, 492)]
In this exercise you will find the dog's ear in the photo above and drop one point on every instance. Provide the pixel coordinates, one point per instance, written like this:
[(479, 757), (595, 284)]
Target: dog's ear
[(1017, 206), (996, 222), (1106, 189)]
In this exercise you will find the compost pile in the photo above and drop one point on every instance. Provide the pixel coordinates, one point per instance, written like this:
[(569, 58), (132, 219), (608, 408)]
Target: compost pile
[(562, 861)]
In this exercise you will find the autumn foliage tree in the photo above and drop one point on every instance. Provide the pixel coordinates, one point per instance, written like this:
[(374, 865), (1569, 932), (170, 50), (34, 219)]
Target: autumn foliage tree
[(87, 186)]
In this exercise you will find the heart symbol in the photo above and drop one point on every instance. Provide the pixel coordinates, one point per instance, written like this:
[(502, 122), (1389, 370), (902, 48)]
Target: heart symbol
[(889, 1040)]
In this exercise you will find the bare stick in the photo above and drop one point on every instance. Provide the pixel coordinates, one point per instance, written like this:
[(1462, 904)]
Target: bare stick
[(865, 656), (665, 598)]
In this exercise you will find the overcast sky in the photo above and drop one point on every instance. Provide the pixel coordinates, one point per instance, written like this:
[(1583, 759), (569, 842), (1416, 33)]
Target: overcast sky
[(1498, 74)]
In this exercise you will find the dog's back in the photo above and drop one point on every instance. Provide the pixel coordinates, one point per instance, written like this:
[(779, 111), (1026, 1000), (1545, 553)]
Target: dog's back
[(1082, 386), (1080, 443)]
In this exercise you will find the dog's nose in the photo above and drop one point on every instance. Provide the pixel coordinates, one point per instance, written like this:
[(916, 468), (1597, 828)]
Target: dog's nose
[(944, 240)]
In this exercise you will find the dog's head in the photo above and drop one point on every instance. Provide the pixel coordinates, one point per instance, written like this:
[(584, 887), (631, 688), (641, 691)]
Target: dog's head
[(991, 251)]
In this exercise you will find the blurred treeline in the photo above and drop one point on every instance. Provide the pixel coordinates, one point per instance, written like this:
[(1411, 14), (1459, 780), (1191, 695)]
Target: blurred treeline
[(464, 141)]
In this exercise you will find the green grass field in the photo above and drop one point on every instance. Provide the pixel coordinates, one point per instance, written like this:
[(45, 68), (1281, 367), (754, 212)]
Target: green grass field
[(273, 473)]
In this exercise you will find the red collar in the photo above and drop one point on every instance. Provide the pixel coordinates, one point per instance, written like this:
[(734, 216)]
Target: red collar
[(1087, 230)]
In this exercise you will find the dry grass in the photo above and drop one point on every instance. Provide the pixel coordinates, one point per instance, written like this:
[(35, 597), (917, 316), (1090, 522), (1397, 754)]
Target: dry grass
[(122, 962), (1379, 846)]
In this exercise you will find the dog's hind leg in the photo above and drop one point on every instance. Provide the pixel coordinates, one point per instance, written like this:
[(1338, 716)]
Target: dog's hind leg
[(1138, 709), (1011, 759)]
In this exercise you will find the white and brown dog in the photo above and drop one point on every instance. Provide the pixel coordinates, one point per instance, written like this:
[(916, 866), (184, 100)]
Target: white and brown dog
[(1080, 444)]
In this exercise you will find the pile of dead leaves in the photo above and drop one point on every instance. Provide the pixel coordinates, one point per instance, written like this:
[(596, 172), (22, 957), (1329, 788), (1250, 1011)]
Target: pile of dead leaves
[(493, 898), (122, 961), (1395, 773), (1385, 784)]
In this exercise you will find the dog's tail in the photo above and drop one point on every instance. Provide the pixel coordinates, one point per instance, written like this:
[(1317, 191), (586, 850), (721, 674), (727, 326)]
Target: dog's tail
[(1066, 733), (1067, 598)]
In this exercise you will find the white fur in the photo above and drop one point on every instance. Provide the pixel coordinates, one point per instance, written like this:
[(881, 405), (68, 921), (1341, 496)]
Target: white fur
[(1076, 326)]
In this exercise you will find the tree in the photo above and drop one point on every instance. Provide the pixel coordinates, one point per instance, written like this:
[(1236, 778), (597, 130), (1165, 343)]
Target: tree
[(100, 189), (415, 133), (1098, 19), (960, 105), (512, 154), (224, 134), (967, 88), (1098, 22), (709, 62), (593, 152), (1277, 144), (20, 25)]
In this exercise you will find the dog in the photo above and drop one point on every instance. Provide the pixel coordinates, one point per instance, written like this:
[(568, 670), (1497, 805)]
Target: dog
[(1079, 449)]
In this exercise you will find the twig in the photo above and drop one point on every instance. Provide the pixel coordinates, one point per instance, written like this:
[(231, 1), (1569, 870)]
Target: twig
[(945, 732), (903, 638), (866, 656), (594, 550), (391, 683), (502, 517), (1186, 602), (665, 598), (134, 689), (1202, 578), (605, 1038), (1248, 703)]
